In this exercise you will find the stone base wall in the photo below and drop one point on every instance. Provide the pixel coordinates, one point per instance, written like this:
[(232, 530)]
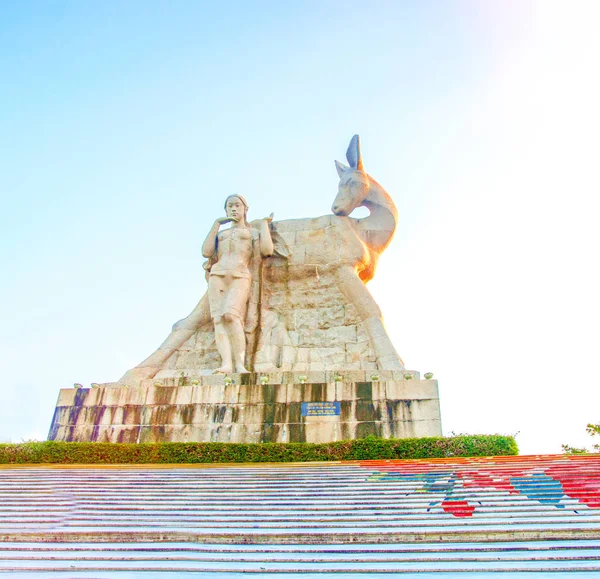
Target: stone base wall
[(250, 408)]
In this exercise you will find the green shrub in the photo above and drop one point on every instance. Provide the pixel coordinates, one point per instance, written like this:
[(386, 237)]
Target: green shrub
[(592, 430), (370, 448)]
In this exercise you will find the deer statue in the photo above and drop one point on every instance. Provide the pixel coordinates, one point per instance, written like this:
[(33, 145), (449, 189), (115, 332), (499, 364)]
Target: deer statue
[(365, 240), (348, 251)]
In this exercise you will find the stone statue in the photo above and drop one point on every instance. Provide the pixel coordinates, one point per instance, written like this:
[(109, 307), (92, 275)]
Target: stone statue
[(296, 286), (364, 241), (229, 279), (286, 301)]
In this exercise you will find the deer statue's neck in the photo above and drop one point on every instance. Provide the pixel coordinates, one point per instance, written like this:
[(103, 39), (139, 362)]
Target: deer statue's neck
[(377, 229)]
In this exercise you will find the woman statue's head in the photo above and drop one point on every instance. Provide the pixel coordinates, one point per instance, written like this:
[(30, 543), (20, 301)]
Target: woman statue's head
[(236, 206)]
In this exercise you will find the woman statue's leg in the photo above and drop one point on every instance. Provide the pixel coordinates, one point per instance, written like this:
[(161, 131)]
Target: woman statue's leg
[(217, 292), (223, 343), (228, 302), (234, 315), (238, 343)]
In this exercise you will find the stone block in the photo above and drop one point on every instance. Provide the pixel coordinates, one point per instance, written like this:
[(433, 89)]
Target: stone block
[(296, 433), (109, 396), (368, 411), (378, 390), (347, 431), (331, 357), (314, 297), (415, 429), (254, 394), (101, 415), (277, 393), (161, 395), (153, 434), (288, 235), (321, 431), (221, 433), (189, 360), (369, 366), (303, 224), (293, 393), (201, 415), (310, 238), (60, 433), (358, 349), (318, 253), (250, 432), (183, 394), (363, 390), (205, 393), (195, 433), (321, 392), (134, 395), (351, 317), (82, 433), (124, 434), (90, 397), (302, 277), (66, 397), (185, 433), (304, 321), (250, 414), (117, 414), (129, 414), (298, 257), (411, 389), (317, 366), (70, 415), (62, 415), (345, 390), (167, 376), (86, 415), (322, 336), (412, 410), (364, 429), (110, 385)]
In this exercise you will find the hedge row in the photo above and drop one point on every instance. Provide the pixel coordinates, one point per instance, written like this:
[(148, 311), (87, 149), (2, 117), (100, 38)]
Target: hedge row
[(221, 452)]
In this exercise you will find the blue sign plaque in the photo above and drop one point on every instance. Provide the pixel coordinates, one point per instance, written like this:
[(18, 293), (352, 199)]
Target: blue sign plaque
[(320, 409)]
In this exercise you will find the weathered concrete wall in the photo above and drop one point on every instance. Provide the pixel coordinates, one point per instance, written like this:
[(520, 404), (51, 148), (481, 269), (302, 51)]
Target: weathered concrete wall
[(253, 408)]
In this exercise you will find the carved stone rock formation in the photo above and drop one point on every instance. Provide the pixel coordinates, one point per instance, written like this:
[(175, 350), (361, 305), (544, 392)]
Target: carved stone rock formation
[(309, 308)]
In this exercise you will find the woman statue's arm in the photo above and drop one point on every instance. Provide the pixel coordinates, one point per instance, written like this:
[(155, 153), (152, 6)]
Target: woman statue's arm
[(210, 243), (266, 243)]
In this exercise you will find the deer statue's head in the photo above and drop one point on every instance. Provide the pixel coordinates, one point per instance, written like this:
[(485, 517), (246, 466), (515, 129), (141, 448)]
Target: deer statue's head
[(354, 182)]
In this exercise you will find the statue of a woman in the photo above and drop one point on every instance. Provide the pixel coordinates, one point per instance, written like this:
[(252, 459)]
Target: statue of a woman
[(229, 279)]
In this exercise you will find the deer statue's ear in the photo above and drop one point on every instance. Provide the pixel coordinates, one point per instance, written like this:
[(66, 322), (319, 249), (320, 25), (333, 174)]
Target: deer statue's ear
[(341, 168), (353, 154)]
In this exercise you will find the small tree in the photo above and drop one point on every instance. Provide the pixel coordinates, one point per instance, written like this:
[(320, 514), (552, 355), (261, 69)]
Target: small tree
[(592, 430)]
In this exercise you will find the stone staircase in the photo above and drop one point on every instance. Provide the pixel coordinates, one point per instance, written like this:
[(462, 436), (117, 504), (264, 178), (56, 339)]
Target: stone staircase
[(513, 516)]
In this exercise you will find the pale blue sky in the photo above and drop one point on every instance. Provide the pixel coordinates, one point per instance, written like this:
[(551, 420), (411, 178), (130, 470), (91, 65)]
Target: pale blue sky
[(123, 125)]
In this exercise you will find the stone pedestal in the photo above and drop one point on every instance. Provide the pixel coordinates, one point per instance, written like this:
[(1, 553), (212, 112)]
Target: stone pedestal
[(283, 407)]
